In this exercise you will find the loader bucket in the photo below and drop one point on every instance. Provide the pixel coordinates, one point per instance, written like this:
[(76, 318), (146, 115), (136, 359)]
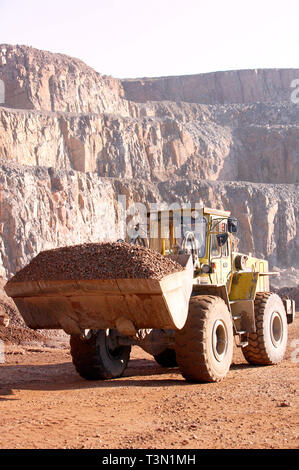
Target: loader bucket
[(99, 304)]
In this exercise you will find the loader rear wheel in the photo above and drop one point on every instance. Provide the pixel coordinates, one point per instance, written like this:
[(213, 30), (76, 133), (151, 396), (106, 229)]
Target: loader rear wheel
[(166, 358), (98, 358), (268, 345), (204, 347)]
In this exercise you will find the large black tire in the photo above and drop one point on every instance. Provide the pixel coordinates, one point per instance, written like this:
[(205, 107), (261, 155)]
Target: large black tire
[(166, 358), (94, 359), (204, 347), (268, 344)]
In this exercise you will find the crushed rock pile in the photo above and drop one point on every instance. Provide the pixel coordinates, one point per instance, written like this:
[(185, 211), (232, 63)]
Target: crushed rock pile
[(111, 260)]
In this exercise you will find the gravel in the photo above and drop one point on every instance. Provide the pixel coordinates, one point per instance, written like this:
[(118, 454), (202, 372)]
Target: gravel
[(21, 336), (98, 261)]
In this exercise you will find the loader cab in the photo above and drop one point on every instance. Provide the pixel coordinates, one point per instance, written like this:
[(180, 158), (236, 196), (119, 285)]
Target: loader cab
[(204, 233)]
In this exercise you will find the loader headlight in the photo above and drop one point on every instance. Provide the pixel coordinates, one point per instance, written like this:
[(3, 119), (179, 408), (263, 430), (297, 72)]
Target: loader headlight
[(205, 268)]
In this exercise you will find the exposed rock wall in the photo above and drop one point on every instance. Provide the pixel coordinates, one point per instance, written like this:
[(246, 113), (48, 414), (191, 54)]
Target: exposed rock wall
[(37, 79), (72, 140), (42, 208), (80, 119), (258, 143), (241, 86)]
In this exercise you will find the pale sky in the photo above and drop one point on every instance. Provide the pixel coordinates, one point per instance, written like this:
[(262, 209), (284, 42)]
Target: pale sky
[(138, 38)]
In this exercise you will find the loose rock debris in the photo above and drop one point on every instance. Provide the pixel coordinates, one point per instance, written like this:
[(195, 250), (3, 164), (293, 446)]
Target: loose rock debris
[(111, 260)]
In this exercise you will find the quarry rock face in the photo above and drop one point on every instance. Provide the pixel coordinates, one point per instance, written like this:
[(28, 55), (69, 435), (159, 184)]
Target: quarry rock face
[(72, 140), (41, 80), (237, 86), (256, 143), (43, 209)]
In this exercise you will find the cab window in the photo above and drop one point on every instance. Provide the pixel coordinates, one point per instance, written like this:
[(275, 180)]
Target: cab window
[(215, 249)]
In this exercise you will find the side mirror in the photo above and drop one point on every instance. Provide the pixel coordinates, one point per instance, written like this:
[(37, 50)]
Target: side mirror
[(232, 225), (221, 238)]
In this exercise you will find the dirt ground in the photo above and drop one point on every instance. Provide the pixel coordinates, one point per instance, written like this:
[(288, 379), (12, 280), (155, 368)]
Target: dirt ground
[(45, 404)]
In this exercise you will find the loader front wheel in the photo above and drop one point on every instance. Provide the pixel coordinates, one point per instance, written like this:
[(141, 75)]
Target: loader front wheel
[(268, 344), (204, 347), (99, 357)]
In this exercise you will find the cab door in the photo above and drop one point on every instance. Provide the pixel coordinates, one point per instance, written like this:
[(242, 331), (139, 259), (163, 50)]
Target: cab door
[(220, 255)]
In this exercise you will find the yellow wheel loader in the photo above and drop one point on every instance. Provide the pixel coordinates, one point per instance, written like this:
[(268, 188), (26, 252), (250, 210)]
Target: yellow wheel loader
[(188, 319)]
